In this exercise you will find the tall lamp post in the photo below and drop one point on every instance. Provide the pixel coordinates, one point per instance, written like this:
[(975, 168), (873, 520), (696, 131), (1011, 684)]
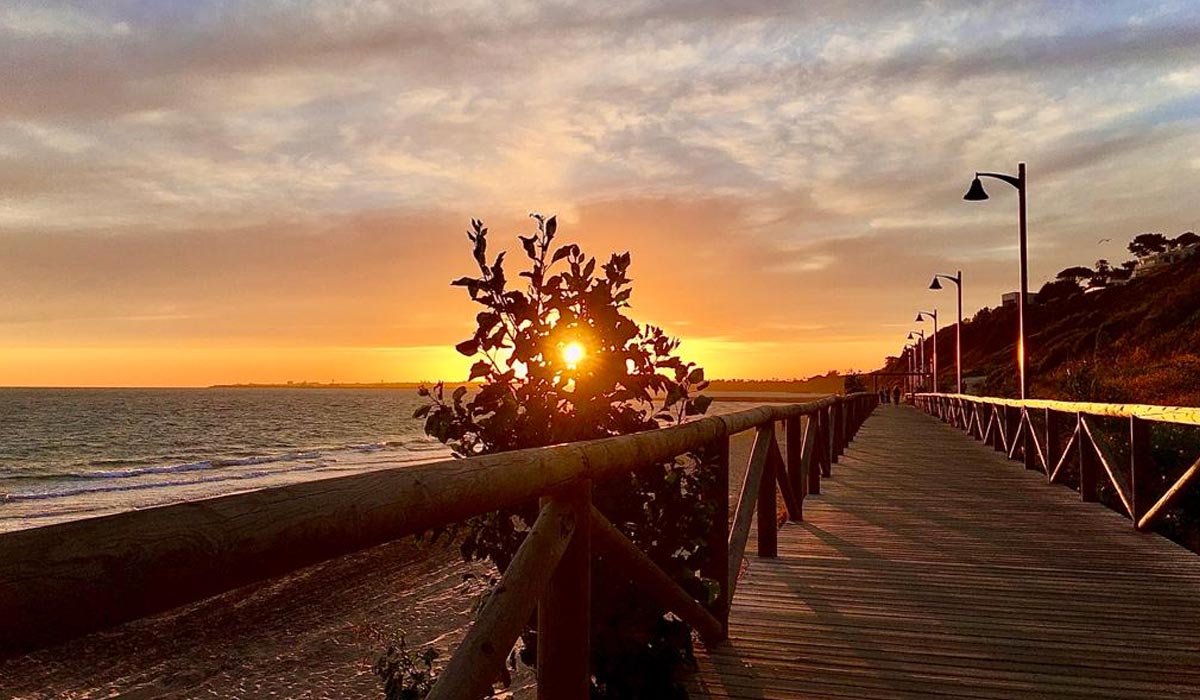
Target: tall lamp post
[(957, 280), (976, 194), (911, 354), (921, 316), (913, 336)]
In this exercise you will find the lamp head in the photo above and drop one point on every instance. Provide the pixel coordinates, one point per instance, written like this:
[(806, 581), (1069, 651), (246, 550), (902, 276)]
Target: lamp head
[(920, 317), (975, 193), (935, 284), (910, 335)]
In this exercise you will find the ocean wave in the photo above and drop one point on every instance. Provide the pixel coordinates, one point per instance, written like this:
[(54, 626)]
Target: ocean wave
[(110, 488)]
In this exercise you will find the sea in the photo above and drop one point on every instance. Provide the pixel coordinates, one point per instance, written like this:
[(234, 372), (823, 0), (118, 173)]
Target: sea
[(67, 454), (76, 453)]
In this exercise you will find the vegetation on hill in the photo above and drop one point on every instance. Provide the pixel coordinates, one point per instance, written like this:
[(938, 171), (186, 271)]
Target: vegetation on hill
[(1096, 334)]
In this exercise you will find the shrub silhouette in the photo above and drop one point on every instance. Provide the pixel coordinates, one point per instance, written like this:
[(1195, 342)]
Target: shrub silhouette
[(560, 361)]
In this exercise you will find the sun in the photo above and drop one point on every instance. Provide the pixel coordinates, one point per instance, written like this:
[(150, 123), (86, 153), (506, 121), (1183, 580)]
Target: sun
[(573, 353)]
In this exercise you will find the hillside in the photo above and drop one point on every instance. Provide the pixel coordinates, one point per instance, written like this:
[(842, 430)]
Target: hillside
[(1137, 342)]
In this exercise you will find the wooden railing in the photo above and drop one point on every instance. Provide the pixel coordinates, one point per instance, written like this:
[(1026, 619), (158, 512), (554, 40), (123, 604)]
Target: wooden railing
[(64, 580), (552, 567), (1009, 426)]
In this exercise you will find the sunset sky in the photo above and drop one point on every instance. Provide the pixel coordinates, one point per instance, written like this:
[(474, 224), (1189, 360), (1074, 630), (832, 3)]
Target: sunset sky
[(197, 192)]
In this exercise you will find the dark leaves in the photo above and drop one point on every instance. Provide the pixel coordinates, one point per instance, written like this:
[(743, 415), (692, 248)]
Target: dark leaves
[(526, 395)]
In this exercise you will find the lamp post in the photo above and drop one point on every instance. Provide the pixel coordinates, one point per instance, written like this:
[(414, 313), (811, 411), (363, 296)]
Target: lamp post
[(910, 353), (976, 194), (921, 316), (913, 335), (957, 280)]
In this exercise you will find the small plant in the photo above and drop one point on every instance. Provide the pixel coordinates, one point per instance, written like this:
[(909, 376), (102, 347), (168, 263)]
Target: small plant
[(559, 361), (406, 675)]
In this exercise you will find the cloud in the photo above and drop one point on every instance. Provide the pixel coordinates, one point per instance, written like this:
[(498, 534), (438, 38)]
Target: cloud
[(259, 171)]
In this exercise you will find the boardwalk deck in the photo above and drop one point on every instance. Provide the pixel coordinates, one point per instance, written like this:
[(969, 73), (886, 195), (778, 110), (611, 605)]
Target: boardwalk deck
[(932, 567)]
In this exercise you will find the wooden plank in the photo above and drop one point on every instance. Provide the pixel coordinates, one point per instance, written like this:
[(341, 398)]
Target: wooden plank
[(945, 573)]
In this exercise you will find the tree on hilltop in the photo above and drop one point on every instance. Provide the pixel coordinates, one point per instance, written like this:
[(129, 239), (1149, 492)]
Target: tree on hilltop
[(1145, 244), (1102, 274), (1185, 239), (1076, 273)]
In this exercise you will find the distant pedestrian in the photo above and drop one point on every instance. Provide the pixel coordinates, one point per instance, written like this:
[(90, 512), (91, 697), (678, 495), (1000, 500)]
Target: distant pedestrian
[(883, 397), (896, 395)]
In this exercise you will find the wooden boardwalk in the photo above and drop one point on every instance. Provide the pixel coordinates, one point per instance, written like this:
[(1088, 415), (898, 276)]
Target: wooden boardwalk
[(932, 567)]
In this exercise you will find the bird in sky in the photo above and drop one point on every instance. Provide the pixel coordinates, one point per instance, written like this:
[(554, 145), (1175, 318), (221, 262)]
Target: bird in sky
[(1103, 240)]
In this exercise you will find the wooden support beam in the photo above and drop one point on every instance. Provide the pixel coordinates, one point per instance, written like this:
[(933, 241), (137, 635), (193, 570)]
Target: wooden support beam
[(826, 443), (477, 662), (1088, 463), (1072, 442), (717, 566), (810, 461), (1051, 454), (836, 426), (1141, 466), (1115, 477), (1168, 499), (779, 468), (564, 612), (794, 435), (768, 522), (632, 562), (739, 533)]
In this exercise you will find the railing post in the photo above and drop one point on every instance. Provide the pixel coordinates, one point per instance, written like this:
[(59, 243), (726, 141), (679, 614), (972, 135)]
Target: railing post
[(998, 428), (1028, 451), (1088, 466), (1012, 425), (1140, 467), (717, 566), (1053, 435), (812, 432), (564, 613), (837, 427), (795, 459), (768, 523), (826, 443)]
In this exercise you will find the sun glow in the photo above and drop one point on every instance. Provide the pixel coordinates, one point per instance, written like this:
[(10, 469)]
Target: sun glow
[(573, 353)]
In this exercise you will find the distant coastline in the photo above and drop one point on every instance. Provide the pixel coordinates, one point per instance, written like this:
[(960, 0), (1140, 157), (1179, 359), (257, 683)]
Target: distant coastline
[(830, 383), (327, 385)]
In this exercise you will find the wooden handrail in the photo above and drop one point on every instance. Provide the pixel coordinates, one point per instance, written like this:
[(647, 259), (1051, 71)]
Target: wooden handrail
[(1182, 415), (67, 579), (1095, 459)]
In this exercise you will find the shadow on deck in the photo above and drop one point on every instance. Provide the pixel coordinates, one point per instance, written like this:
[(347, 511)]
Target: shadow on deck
[(931, 566)]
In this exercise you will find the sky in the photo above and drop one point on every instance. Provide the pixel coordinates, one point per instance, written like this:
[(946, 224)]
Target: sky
[(202, 192)]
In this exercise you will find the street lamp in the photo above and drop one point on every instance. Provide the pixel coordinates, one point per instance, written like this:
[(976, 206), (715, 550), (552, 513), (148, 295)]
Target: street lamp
[(957, 280), (913, 335), (976, 194), (921, 316), (910, 352)]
